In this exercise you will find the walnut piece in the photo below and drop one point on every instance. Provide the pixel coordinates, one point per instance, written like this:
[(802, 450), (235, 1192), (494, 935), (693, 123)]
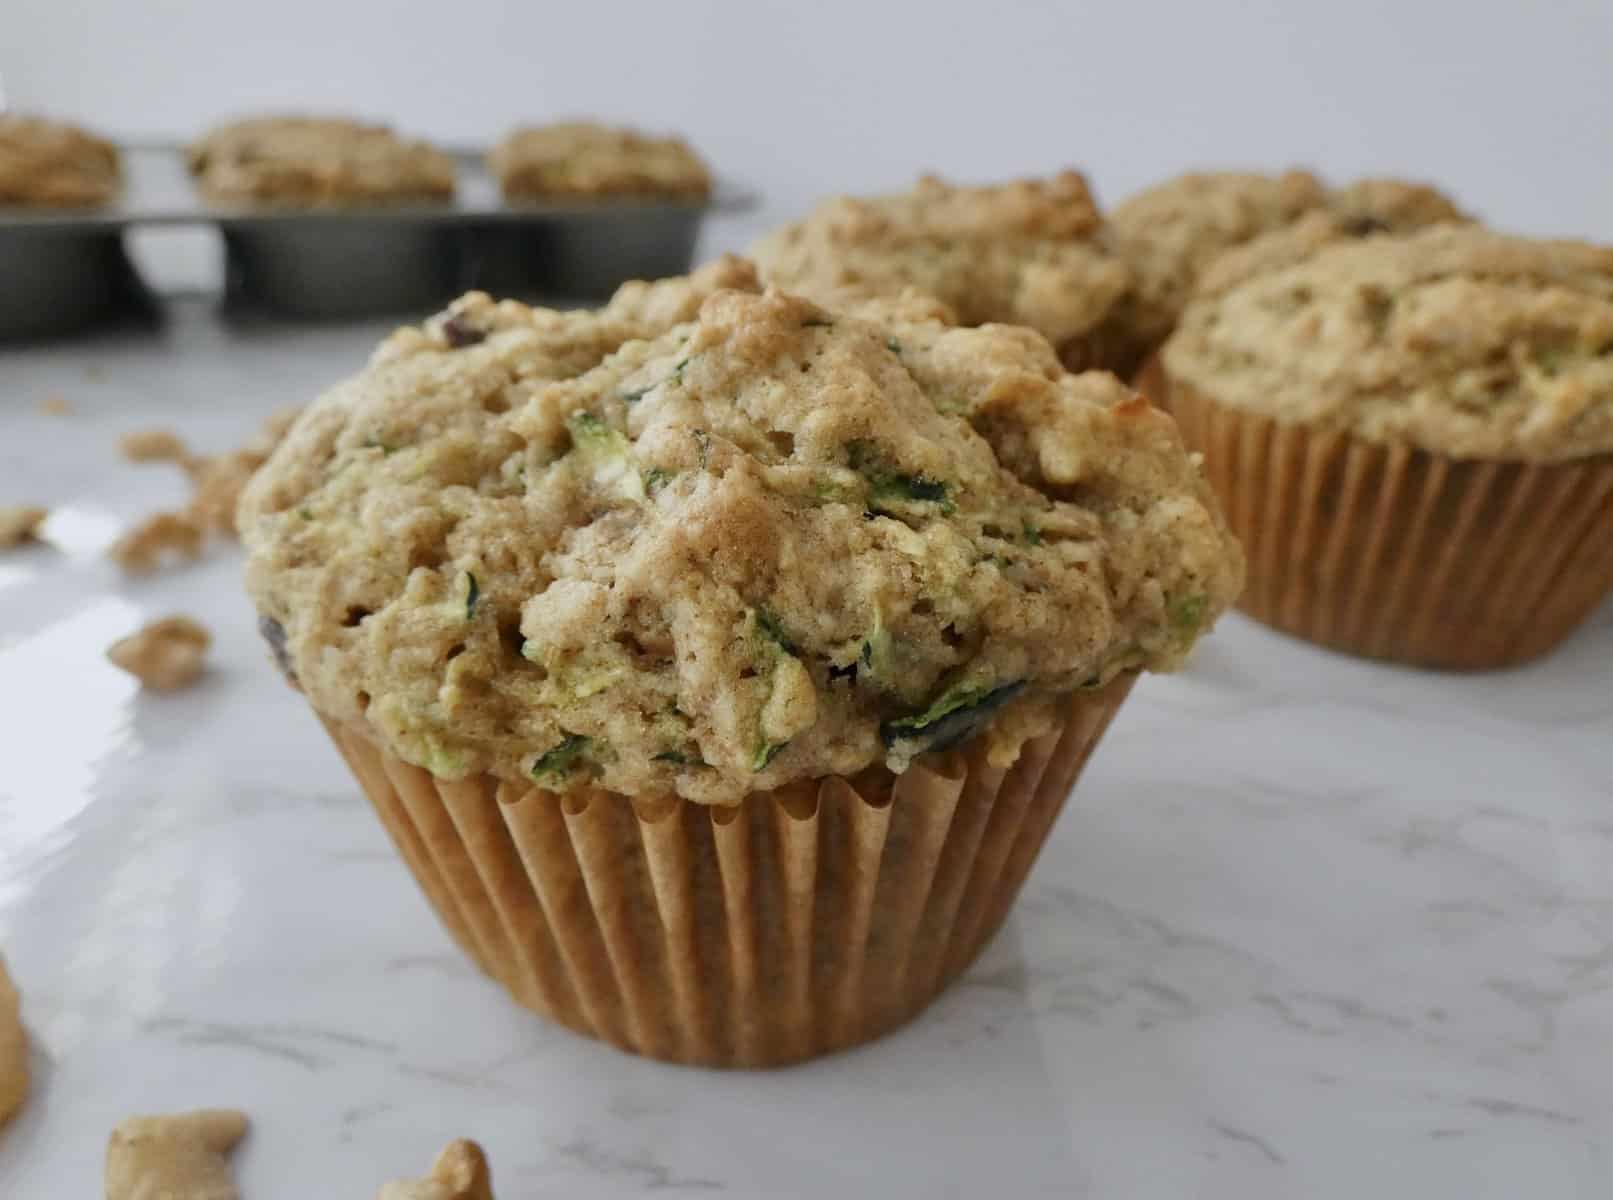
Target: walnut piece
[(165, 655), (183, 1156), (460, 1173), (19, 524), (13, 1049)]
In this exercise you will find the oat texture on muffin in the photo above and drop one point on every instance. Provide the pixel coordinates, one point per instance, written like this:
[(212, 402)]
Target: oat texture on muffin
[(317, 162), (583, 158), (1031, 252), (1171, 233), (50, 164), (1458, 339), (751, 541)]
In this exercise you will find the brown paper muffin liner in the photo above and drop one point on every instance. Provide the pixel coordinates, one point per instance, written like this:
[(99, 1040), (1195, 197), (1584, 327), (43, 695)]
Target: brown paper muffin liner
[(799, 922), (1150, 381), (1398, 553)]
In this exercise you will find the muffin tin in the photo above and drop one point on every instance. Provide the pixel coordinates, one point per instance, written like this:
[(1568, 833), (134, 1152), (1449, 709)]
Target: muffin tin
[(64, 270)]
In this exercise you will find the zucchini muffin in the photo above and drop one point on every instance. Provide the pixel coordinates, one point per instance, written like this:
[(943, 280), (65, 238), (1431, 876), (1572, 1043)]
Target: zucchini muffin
[(775, 633), (1031, 252), (1412, 434), (50, 164), (581, 158), (1171, 233), (317, 162)]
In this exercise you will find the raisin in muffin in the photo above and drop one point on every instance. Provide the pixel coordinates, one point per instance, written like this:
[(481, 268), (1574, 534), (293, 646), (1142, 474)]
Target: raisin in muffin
[(1412, 433), (1031, 252), (1172, 232), (583, 158), (656, 598), (317, 162), (50, 164)]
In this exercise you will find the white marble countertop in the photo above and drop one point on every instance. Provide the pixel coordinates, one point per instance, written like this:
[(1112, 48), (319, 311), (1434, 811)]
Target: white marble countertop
[(1311, 927)]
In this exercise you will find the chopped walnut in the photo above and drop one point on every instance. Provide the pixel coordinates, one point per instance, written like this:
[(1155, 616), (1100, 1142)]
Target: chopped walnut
[(55, 406), (165, 655), (141, 549), (154, 445), (184, 1156), (460, 1173), (13, 1049), (19, 524)]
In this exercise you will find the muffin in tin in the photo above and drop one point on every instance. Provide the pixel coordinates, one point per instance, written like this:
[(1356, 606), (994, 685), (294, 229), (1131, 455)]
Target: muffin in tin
[(1412, 435), (1171, 233), (1031, 252), (51, 164), (572, 159), (719, 660), (317, 162)]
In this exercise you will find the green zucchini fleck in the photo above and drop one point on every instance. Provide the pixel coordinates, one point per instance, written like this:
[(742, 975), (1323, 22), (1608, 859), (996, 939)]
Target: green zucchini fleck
[(556, 763), (607, 453), (771, 628), (888, 486), (954, 715), (1186, 613), (766, 752), (657, 478), (893, 346), (473, 593), (1033, 535), (681, 759)]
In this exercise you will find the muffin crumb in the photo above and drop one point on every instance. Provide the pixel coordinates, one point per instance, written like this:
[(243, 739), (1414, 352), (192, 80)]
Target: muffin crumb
[(165, 655), (56, 406), (153, 445), (13, 1049), (20, 523), (184, 1156), (142, 548), (459, 1173)]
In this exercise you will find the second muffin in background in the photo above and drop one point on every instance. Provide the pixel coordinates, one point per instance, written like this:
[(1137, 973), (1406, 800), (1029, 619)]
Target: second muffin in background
[(317, 162), (1031, 252), (1412, 435), (573, 159), (718, 661)]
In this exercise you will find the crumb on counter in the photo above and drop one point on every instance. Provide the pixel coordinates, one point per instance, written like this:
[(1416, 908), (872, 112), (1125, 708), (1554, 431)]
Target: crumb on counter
[(183, 1156), (153, 445), (166, 654), (13, 1049), (20, 523), (460, 1173), (142, 548), (55, 406)]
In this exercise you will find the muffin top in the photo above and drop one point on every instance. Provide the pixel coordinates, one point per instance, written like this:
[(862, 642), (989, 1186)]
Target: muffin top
[(1025, 253), (710, 539), (581, 158), (317, 162), (1455, 339), (1170, 233), (49, 164)]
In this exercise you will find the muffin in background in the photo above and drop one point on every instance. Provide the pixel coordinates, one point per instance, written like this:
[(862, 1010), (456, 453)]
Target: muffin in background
[(1031, 252), (317, 162), (718, 661), (1171, 233), (583, 158), (51, 164), (1411, 434)]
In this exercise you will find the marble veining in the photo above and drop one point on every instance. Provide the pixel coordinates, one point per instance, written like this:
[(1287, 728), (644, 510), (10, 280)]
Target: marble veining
[(1310, 926)]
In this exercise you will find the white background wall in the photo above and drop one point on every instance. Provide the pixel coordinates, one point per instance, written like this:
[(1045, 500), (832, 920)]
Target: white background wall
[(1510, 105)]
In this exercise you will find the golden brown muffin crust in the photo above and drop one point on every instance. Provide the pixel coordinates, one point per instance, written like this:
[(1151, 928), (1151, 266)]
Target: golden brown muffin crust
[(1170, 234), (768, 543), (1456, 339), (317, 162), (1028, 252), (50, 164), (583, 158)]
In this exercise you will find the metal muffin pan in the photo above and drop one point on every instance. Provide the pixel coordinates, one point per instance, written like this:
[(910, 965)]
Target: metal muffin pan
[(62, 271)]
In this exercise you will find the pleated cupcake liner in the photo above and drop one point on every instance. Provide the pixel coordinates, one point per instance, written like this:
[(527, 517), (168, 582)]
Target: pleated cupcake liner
[(1393, 552), (799, 922)]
